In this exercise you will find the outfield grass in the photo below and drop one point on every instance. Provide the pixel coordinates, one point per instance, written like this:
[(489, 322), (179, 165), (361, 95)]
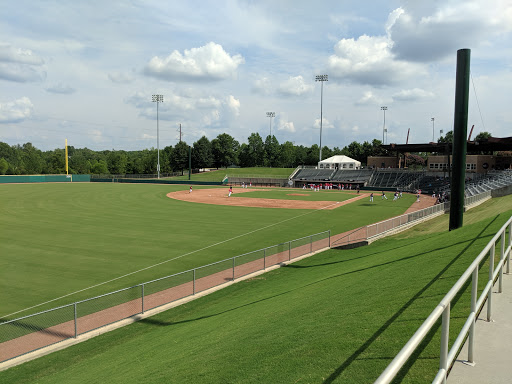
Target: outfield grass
[(300, 194), (60, 238), (338, 316)]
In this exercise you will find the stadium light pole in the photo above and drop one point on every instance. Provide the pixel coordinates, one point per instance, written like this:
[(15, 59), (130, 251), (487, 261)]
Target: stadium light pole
[(432, 119), (384, 126), (157, 99), (270, 115), (321, 79)]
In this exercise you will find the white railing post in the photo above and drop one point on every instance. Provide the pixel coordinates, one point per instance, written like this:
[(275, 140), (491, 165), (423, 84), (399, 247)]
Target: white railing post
[(471, 337), (445, 332), (510, 245), (491, 271), (502, 260)]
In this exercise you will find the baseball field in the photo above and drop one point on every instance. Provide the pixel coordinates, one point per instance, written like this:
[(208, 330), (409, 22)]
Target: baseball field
[(338, 316), (58, 239)]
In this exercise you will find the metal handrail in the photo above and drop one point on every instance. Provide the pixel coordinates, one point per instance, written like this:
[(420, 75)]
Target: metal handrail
[(443, 309)]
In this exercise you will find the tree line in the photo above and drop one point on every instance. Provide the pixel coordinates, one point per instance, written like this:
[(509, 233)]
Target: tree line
[(220, 152)]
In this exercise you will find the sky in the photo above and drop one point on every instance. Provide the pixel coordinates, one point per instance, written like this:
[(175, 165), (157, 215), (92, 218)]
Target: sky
[(86, 70)]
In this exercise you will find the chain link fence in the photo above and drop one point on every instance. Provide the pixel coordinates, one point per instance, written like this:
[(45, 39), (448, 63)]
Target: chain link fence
[(29, 333)]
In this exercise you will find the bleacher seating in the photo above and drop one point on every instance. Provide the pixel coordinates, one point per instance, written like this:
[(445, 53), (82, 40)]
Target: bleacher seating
[(314, 174)]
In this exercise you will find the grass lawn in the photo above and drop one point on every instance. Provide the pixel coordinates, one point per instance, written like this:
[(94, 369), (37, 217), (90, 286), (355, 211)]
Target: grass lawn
[(60, 238), (300, 194), (338, 316)]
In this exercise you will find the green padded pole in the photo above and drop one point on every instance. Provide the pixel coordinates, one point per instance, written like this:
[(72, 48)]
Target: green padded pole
[(460, 128)]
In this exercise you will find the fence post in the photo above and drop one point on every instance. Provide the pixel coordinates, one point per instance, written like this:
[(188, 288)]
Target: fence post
[(471, 336), (142, 297), (502, 259), (445, 330), (509, 244), (194, 283), (76, 334), (491, 270)]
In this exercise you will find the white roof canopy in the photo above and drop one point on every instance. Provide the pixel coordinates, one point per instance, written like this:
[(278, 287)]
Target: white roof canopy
[(340, 162)]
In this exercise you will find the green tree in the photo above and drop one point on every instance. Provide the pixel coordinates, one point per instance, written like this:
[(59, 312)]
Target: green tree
[(179, 157), (165, 159), (4, 166), (313, 155), (32, 159), (483, 136), (448, 138), (326, 152), (272, 152), (225, 151), (99, 167), (287, 158), (301, 155), (355, 151), (255, 150), (116, 162), (202, 156)]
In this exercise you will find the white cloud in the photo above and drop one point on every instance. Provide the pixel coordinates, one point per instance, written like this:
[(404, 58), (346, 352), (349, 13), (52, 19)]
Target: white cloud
[(234, 105), (294, 86), (60, 88), (369, 98), (20, 65), (368, 60), (451, 26), (16, 111), (326, 124), (414, 94), (121, 77), (9, 54), (262, 86), (209, 62), (286, 126)]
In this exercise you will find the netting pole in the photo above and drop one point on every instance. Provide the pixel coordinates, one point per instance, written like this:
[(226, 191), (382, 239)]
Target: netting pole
[(142, 297), (76, 334), (194, 283)]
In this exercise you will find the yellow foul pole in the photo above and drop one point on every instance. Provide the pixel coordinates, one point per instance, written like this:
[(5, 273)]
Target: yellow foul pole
[(66, 156)]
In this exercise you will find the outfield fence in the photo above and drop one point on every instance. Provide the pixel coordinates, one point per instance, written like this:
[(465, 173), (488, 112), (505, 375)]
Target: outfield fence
[(40, 330)]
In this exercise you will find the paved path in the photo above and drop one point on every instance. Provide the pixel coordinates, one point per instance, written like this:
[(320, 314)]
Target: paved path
[(493, 344)]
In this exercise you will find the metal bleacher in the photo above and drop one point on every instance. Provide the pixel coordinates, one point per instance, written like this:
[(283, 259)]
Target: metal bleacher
[(493, 180), (308, 174)]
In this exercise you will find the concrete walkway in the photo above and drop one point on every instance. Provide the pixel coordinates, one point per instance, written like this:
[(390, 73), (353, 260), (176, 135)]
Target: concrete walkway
[(493, 344)]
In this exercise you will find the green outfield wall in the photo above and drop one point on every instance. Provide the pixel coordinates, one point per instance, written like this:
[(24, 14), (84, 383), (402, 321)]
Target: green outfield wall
[(155, 181), (44, 178)]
